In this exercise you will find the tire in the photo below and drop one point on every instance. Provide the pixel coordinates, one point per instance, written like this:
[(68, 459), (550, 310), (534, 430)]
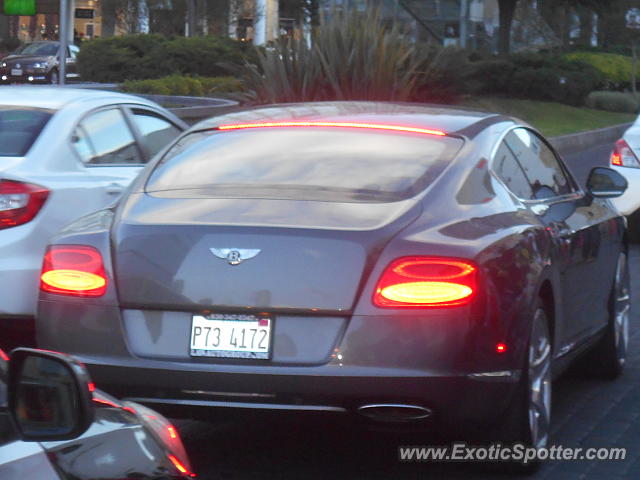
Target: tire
[(531, 418), (53, 77), (633, 222), (611, 352)]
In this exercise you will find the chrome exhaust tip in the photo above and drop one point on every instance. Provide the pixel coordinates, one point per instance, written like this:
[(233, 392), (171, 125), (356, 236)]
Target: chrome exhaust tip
[(394, 412)]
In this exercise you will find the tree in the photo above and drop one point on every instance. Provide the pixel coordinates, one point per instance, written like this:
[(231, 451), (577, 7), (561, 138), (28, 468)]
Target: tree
[(506, 9)]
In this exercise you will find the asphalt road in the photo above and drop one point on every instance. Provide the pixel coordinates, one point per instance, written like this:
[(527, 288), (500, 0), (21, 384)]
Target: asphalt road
[(586, 413)]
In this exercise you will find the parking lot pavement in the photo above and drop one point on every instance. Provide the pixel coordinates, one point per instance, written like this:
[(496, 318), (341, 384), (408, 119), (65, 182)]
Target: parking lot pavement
[(586, 413)]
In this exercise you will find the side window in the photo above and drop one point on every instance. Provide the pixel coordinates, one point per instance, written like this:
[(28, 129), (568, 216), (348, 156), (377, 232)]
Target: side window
[(509, 171), (539, 164), (104, 138), (73, 51), (156, 132)]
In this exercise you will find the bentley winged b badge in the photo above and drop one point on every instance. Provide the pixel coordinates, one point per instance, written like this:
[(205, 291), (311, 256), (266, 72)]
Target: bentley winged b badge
[(235, 256)]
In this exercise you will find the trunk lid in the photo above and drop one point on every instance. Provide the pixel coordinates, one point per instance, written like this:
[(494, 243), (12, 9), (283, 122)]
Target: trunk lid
[(304, 255)]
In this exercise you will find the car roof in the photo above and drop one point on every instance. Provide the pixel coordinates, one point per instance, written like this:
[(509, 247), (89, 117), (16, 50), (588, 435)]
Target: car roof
[(55, 98), (438, 117)]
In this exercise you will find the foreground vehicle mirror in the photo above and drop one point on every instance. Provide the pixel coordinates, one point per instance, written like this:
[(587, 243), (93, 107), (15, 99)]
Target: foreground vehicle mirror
[(606, 183), (49, 395)]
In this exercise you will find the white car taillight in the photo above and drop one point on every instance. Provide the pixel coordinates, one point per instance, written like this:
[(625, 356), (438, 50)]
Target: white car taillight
[(20, 202), (623, 156)]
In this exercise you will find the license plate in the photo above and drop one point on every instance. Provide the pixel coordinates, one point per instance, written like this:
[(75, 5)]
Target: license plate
[(16, 72), (231, 336)]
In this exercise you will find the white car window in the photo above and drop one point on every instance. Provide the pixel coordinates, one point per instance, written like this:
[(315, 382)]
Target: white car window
[(104, 138)]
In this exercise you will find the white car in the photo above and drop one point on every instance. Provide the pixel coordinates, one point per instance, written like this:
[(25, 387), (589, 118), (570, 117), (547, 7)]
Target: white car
[(64, 153), (625, 158)]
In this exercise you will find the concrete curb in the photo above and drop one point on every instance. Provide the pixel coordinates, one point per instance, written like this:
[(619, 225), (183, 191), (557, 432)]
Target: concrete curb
[(194, 108), (189, 109), (584, 140)]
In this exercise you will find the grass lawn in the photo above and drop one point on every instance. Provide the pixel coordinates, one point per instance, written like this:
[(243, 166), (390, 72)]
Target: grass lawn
[(550, 118)]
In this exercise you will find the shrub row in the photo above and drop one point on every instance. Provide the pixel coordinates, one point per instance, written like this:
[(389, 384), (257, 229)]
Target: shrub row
[(184, 85), (535, 77), (615, 68), (143, 56), (613, 102)]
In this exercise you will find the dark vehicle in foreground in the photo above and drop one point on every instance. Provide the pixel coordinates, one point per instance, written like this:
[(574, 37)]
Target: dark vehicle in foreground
[(55, 425), (37, 62), (401, 263)]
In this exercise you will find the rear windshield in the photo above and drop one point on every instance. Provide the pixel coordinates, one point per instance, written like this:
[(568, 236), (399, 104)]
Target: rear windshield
[(19, 128), (325, 164)]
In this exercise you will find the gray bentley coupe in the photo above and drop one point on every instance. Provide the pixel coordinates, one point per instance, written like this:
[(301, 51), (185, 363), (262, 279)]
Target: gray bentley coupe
[(397, 263)]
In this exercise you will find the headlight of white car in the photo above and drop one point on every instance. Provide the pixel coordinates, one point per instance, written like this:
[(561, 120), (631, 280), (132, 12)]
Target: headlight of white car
[(4, 64), (39, 65)]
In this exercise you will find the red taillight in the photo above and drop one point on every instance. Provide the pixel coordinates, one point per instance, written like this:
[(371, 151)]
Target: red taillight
[(20, 202), (501, 347), (370, 126), (426, 282), (180, 467), (4, 356), (623, 156), (73, 270)]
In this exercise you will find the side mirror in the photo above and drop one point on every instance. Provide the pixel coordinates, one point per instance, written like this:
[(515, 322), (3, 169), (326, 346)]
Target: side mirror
[(50, 396), (606, 183)]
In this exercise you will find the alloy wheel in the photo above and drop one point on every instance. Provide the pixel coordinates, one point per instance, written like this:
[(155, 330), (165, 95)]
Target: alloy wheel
[(539, 377)]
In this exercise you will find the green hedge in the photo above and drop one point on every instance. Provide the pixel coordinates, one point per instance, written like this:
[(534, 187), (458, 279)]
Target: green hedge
[(184, 85), (535, 77), (615, 68), (143, 56), (613, 102)]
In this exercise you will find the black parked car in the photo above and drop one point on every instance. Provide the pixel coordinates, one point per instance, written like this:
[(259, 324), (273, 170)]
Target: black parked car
[(37, 62), (54, 425), (408, 264)]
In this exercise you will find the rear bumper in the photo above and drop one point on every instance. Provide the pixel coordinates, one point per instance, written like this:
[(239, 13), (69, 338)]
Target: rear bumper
[(21, 252), (471, 401), (443, 363), (629, 202)]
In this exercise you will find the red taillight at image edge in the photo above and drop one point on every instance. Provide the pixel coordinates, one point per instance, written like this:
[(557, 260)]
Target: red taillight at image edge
[(20, 202), (423, 282), (76, 270), (623, 156)]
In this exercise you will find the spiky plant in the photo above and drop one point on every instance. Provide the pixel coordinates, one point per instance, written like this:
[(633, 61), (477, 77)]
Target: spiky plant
[(352, 56)]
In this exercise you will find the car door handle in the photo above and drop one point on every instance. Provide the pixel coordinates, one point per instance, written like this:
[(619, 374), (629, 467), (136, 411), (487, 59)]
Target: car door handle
[(114, 189)]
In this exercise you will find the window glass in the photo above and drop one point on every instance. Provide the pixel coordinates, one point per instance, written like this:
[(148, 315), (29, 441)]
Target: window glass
[(73, 51), (539, 163), (19, 128), (509, 171), (328, 164), (39, 48), (104, 138), (156, 132)]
